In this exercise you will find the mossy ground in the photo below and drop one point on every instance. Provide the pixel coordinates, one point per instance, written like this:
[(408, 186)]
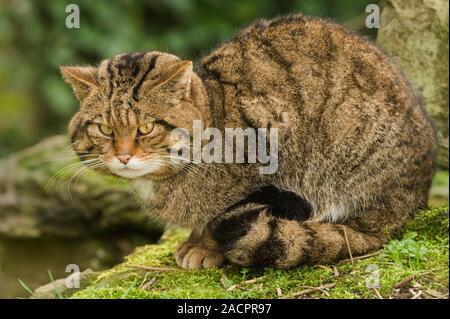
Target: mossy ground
[(420, 256)]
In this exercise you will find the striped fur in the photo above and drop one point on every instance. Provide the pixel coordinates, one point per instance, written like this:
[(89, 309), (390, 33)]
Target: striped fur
[(356, 149)]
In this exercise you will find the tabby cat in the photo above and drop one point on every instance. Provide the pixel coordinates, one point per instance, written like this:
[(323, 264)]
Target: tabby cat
[(355, 147)]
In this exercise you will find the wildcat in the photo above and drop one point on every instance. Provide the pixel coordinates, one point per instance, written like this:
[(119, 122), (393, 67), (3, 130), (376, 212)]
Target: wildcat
[(355, 147)]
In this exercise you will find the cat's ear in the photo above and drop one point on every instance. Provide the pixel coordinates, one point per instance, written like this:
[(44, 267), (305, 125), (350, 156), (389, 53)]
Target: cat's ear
[(178, 79), (82, 79)]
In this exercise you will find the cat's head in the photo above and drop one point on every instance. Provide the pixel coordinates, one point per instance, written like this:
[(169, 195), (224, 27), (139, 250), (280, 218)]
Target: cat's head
[(128, 107)]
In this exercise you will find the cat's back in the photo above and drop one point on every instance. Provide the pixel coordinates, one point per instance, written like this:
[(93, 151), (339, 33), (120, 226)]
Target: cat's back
[(310, 65), (296, 46)]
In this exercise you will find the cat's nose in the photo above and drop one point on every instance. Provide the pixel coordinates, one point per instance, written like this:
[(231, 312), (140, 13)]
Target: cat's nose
[(124, 158)]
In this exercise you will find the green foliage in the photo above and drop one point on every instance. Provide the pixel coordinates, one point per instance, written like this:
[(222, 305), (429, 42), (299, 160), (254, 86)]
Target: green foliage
[(407, 252), (34, 101)]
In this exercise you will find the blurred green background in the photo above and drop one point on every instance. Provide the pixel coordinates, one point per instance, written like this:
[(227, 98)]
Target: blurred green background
[(34, 42)]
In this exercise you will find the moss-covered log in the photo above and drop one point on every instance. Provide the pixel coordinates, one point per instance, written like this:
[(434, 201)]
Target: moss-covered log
[(41, 196), (420, 255)]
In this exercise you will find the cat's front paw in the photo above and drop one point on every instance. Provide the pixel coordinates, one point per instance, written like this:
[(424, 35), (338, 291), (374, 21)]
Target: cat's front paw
[(195, 256)]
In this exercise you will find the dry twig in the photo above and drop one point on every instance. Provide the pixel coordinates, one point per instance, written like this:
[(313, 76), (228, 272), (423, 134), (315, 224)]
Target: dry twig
[(377, 293), (309, 290), (348, 244), (246, 282), (404, 281), (360, 257)]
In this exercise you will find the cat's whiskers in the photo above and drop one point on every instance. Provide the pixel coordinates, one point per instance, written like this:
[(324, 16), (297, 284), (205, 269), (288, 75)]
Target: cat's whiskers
[(62, 172), (72, 158), (63, 181), (78, 172), (187, 164), (87, 168), (66, 148), (59, 173)]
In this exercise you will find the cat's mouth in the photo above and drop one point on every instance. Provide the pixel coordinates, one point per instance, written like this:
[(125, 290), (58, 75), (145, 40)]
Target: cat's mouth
[(130, 173), (133, 169)]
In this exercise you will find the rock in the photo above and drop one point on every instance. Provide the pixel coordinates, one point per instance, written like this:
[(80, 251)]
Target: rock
[(414, 33)]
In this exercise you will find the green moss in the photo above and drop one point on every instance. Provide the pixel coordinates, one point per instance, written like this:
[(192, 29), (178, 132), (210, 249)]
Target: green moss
[(431, 271), (431, 224)]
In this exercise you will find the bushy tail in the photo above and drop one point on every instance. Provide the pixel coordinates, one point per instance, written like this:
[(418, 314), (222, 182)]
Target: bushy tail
[(255, 237)]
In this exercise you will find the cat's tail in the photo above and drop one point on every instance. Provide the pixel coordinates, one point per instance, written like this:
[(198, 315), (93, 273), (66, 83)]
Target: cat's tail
[(255, 237)]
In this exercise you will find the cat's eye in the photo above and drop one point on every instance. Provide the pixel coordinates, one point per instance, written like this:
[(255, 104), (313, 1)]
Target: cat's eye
[(105, 129), (146, 128)]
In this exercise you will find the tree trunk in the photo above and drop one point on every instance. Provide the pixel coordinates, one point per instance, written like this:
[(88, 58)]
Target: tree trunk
[(414, 33)]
